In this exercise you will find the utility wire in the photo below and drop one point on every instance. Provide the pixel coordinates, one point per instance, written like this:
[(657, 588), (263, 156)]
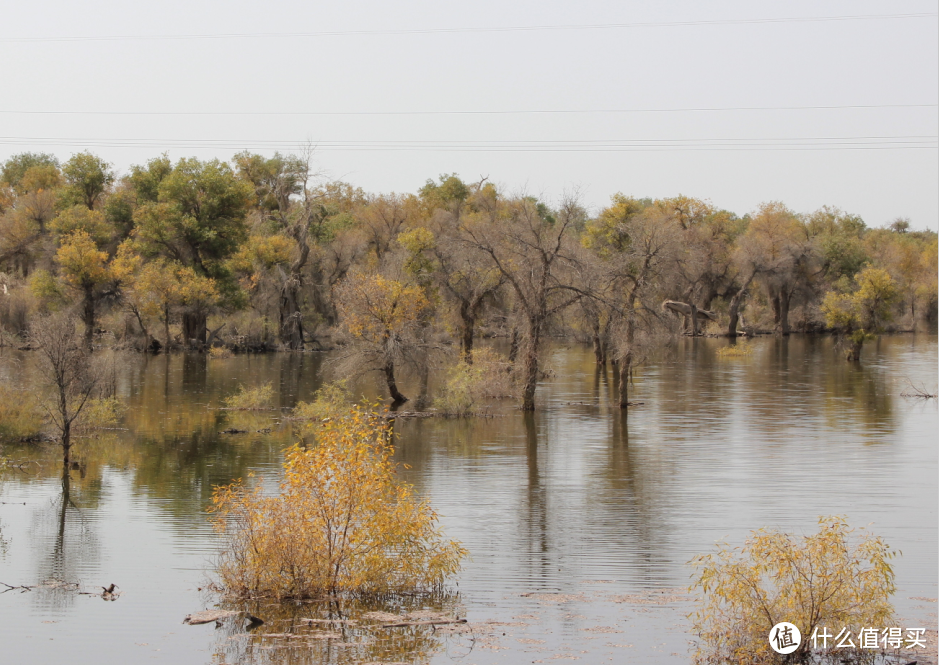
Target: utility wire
[(589, 145), (478, 112), (518, 28)]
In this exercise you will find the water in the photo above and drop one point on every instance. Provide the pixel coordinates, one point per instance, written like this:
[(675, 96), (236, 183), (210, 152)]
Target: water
[(580, 521)]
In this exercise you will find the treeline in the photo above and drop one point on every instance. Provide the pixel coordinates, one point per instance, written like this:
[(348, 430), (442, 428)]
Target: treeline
[(257, 255)]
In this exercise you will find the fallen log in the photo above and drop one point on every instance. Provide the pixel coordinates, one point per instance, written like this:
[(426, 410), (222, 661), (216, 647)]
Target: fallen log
[(437, 622), (208, 616)]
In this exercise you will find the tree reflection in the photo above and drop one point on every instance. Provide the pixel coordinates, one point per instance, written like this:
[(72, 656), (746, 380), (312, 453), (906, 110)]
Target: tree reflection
[(336, 632)]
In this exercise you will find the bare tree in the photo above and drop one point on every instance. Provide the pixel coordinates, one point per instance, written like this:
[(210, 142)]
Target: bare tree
[(532, 249), (68, 374)]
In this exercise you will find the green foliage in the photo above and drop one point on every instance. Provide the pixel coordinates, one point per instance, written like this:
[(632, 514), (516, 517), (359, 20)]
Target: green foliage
[(87, 177), (21, 415), (331, 400), (80, 218), (813, 581), (342, 524), (47, 290), (450, 191), (740, 350), (251, 399), (15, 168), (101, 412)]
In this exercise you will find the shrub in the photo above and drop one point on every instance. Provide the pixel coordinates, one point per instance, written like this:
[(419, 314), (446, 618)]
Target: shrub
[(741, 350), (815, 581), (101, 412), (219, 353), (330, 400), (20, 415), (467, 385), (342, 523), (251, 399)]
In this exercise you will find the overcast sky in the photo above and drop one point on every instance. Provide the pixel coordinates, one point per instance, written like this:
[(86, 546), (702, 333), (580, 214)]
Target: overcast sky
[(603, 108)]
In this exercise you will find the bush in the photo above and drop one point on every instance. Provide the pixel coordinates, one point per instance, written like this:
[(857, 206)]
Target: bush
[(342, 523), (331, 400), (101, 412), (741, 350), (816, 581), (468, 385), (251, 399), (20, 415)]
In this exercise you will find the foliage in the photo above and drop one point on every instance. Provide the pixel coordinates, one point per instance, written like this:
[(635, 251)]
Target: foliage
[(814, 581), (20, 414), (329, 401), (861, 313), (87, 177), (251, 399), (741, 350), (342, 523), (101, 412), (489, 376)]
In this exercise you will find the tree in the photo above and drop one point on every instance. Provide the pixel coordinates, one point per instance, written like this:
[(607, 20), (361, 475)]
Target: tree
[(342, 524), (14, 170), (637, 245), (861, 313), (84, 268), (531, 249), (778, 248), (198, 221), (68, 373), (87, 177), (382, 317), (815, 581)]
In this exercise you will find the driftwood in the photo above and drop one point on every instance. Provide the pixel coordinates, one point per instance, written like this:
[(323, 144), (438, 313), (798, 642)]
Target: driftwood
[(208, 616), (432, 622)]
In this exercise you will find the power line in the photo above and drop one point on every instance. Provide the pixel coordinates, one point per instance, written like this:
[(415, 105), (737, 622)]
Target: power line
[(475, 112), (928, 142), (518, 28)]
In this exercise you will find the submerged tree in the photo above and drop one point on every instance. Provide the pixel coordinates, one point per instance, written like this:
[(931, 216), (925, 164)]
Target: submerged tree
[(343, 524), (68, 374), (382, 316), (860, 314), (812, 581)]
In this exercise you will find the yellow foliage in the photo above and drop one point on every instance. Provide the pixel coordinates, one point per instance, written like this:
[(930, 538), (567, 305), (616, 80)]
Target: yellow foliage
[(741, 350), (814, 581), (83, 264), (331, 400), (20, 414), (342, 524), (251, 399), (373, 307)]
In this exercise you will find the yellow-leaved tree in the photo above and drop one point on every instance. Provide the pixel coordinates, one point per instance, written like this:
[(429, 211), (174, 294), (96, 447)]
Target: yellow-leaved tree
[(382, 316), (861, 313), (342, 524), (816, 581)]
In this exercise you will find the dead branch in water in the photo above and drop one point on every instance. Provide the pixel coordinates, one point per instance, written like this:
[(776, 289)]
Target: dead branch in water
[(919, 392)]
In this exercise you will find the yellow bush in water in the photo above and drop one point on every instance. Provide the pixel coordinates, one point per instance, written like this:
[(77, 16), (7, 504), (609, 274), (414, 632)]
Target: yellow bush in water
[(20, 415), (815, 581), (342, 523), (251, 399)]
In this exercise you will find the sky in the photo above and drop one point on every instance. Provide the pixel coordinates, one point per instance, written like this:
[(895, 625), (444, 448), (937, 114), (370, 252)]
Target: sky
[(740, 102)]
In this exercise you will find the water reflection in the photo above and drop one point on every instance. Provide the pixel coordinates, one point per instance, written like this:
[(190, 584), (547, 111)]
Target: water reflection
[(578, 491)]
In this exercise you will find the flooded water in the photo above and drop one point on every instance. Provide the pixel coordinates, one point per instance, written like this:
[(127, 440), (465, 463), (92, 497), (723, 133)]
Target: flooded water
[(580, 521)]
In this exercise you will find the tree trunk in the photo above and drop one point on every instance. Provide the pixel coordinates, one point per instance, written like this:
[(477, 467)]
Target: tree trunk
[(694, 319), (166, 326), (784, 299), (67, 445), (194, 328), (88, 315), (531, 364), (626, 362), (467, 324), (854, 351), (513, 346), (396, 396), (291, 320)]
